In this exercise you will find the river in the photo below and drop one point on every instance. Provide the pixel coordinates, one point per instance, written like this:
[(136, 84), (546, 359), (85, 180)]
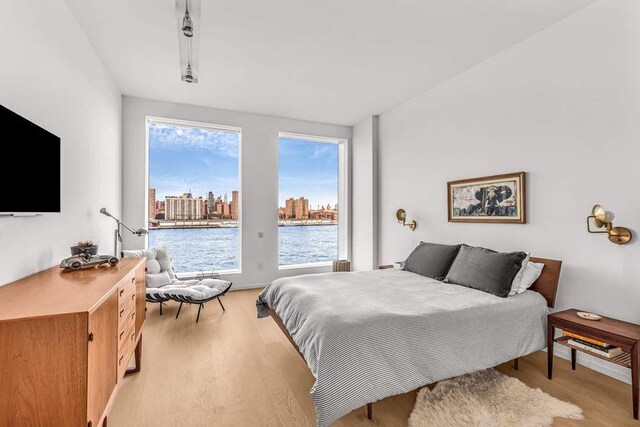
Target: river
[(203, 249)]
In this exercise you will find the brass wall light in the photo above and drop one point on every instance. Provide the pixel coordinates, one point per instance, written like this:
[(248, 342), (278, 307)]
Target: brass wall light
[(602, 218), (401, 216)]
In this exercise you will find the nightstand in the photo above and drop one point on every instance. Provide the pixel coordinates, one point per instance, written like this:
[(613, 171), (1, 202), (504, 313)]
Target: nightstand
[(615, 332)]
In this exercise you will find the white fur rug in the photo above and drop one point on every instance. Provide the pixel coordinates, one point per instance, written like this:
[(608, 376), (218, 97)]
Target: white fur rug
[(487, 399)]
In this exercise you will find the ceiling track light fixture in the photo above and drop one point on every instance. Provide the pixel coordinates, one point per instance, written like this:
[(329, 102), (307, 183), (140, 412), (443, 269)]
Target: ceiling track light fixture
[(188, 75), (188, 15), (187, 23)]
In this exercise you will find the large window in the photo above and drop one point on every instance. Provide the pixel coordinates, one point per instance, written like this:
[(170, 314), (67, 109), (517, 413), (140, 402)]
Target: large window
[(194, 199), (310, 216)]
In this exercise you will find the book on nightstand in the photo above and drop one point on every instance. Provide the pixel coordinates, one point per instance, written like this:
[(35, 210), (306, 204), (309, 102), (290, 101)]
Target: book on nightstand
[(592, 348), (585, 339)]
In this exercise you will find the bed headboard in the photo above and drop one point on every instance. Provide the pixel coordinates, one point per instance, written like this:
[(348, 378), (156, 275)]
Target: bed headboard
[(547, 283)]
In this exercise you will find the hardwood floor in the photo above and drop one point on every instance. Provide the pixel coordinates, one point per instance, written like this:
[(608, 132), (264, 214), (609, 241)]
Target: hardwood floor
[(232, 369)]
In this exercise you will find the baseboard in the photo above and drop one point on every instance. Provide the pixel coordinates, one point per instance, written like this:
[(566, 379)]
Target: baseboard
[(247, 286), (602, 366)]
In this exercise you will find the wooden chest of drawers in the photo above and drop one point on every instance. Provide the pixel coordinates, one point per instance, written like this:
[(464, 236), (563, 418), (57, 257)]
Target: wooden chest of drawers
[(67, 339)]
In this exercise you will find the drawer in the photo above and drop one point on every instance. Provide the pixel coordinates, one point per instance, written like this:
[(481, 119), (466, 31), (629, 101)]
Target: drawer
[(125, 327), (126, 315), (124, 354), (126, 288)]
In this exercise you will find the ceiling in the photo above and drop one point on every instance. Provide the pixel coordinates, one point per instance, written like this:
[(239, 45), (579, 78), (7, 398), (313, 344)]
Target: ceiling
[(334, 61)]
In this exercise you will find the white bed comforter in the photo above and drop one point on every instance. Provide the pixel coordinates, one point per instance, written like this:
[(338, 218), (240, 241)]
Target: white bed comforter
[(370, 335)]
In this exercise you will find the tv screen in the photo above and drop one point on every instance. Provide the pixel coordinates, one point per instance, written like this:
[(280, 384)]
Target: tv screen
[(35, 154)]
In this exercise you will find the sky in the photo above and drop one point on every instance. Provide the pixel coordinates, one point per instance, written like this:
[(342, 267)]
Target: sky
[(308, 169), (201, 160)]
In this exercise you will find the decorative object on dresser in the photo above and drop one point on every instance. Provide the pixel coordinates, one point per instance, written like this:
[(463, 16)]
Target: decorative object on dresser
[(117, 236), (67, 341), (86, 247), (401, 216), (497, 198), (341, 265), (599, 339), (87, 261), (487, 398), (602, 218)]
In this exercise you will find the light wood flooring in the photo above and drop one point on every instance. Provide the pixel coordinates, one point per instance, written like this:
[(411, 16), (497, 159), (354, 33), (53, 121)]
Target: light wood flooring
[(235, 370)]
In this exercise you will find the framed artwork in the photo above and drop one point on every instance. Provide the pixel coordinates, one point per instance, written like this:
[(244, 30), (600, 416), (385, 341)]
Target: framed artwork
[(498, 198)]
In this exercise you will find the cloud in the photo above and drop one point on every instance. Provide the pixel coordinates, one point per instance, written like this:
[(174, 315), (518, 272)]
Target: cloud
[(175, 137)]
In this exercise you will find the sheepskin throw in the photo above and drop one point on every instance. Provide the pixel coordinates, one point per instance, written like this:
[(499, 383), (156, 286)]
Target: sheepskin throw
[(487, 398)]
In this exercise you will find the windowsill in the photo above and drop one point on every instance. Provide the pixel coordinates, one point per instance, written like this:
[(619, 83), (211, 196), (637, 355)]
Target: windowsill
[(192, 275), (308, 265)]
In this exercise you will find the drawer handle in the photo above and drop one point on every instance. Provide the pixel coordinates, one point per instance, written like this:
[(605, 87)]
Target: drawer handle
[(133, 336), (133, 314), (133, 279), (121, 312), (133, 296), (121, 291), (121, 334), (120, 360)]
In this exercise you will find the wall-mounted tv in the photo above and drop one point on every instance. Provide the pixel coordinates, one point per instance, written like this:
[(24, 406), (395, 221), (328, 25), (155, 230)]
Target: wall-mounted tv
[(31, 184)]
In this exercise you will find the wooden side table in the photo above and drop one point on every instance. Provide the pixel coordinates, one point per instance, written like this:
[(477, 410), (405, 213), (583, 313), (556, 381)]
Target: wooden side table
[(615, 332)]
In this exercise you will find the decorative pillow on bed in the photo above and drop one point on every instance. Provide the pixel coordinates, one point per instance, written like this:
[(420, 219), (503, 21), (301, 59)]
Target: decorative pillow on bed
[(431, 259), (485, 270), (515, 285), (532, 271)]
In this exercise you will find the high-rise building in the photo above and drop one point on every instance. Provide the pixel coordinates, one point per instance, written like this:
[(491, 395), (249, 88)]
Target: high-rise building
[(184, 207), (296, 208), (152, 204), (234, 205), (301, 208), (211, 204), (288, 208)]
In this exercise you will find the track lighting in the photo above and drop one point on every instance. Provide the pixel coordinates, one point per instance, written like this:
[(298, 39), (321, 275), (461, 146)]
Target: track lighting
[(187, 22), (188, 75), (188, 13), (187, 25)]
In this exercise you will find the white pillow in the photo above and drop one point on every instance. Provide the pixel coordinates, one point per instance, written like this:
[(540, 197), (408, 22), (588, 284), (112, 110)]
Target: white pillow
[(515, 285), (158, 280), (531, 274)]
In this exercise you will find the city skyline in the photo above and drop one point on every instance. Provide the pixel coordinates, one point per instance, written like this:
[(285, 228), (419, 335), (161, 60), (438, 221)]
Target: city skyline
[(199, 160), (311, 206)]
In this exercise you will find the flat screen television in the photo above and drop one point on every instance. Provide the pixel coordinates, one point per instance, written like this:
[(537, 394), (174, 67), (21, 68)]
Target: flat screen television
[(32, 186)]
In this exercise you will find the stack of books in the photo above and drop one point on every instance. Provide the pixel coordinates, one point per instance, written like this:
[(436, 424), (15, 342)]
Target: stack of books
[(590, 345)]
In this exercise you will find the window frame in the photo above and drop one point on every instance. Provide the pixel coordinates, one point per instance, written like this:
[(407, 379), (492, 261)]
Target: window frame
[(344, 205), (205, 125)]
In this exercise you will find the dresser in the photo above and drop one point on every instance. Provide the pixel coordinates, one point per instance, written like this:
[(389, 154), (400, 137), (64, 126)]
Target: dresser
[(66, 341)]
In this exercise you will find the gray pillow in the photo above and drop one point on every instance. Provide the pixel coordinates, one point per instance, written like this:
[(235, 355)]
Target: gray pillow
[(485, 270), (158, 280), (431, 259)]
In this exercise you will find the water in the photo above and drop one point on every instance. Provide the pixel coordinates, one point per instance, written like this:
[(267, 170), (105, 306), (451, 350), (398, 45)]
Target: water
[(307, 244), (201, 249)]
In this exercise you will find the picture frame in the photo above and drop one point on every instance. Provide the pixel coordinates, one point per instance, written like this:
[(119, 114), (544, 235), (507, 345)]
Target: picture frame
[(488, 199)]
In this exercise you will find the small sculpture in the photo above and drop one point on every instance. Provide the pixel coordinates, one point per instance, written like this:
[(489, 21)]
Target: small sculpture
[(84, 260)]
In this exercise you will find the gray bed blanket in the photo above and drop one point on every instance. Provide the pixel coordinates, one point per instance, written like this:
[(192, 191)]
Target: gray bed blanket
[(370, 335)]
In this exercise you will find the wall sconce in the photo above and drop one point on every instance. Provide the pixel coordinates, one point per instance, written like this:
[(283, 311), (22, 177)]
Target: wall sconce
[(602, 218), (401, 216)]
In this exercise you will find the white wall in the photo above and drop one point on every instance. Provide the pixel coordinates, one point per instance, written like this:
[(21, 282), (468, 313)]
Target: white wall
[(564, 106), (364, 168), (50, 74), (259, 169)]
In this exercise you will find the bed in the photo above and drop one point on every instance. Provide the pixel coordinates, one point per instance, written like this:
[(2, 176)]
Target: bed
[(369, 335)]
